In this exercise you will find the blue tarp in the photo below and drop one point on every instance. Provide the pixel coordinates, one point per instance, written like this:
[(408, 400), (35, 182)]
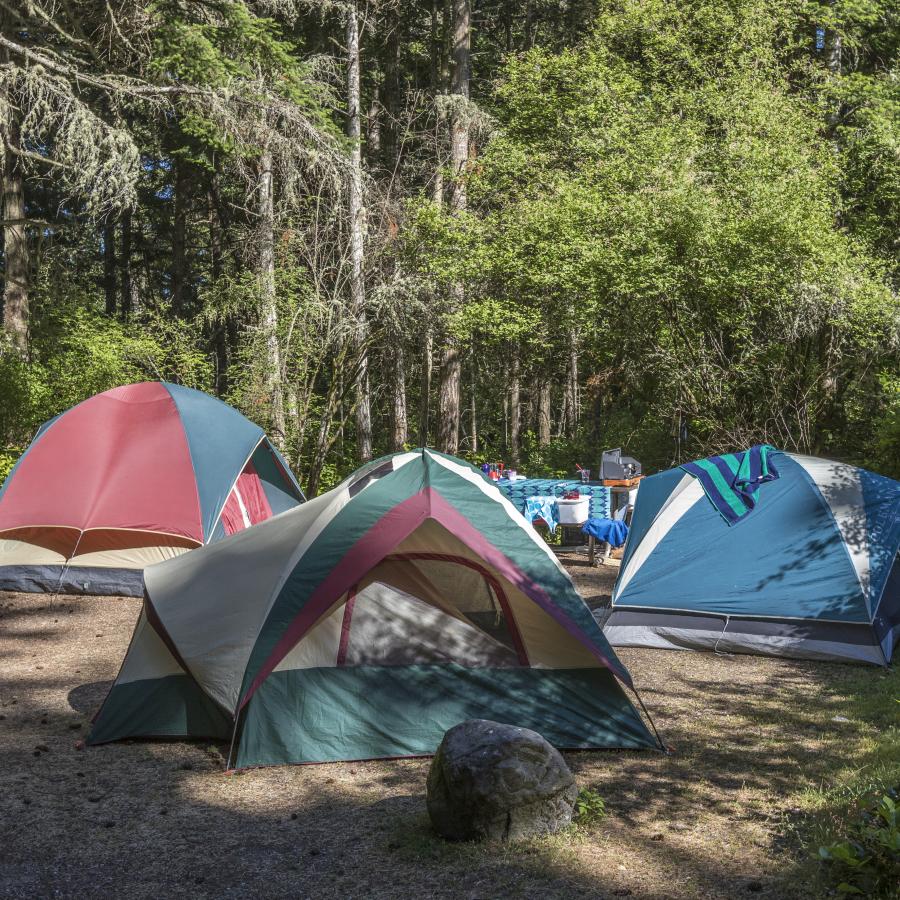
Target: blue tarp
[(612, 531)]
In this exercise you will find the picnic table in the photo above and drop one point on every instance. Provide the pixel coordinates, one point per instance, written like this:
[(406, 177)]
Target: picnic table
[(517, 492), (600, 505)]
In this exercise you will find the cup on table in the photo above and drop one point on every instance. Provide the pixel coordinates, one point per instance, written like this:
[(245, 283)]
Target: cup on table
[(585, 476)]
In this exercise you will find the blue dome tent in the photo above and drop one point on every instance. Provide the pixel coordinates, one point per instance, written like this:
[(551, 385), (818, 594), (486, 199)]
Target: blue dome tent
[(811, 572)]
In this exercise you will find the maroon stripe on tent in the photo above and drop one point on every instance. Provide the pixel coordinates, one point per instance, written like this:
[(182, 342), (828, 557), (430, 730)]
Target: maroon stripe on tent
[(345, 627), (386, 534), (389, 531), (518, 643)]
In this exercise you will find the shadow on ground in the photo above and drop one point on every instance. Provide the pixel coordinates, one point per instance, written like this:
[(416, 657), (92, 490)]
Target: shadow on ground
[(141, 819)]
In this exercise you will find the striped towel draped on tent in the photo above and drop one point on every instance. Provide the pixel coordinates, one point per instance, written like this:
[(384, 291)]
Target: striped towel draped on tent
[(732, 480)]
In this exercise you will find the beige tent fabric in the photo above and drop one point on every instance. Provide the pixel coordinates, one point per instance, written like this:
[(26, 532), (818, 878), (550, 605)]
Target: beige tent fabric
[(319, 648), (123, 549), (546, 642), (409, 579), (22, 553), (239, 579), (128, 558), (148, 656)]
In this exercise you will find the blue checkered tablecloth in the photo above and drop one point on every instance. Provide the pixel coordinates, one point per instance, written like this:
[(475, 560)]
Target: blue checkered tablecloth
[(518, 491)]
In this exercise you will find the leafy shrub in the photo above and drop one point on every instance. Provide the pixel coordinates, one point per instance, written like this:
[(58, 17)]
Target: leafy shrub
[(867, 860), (8, 459), (589, 807)]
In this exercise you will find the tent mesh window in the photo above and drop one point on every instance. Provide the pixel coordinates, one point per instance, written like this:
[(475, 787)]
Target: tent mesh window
[(427, 608), (471, 592)]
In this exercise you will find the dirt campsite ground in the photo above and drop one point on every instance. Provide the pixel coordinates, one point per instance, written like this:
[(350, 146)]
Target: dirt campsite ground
[(766, 753)]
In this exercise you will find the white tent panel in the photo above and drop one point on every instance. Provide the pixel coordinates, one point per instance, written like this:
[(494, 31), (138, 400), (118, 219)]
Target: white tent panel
[(686, 493), (237, 578), (148, 656), (841, 487)]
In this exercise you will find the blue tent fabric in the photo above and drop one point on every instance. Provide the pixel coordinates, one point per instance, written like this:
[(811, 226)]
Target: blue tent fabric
[(818, 550), (614, 532), (732, 480), (221, 441)]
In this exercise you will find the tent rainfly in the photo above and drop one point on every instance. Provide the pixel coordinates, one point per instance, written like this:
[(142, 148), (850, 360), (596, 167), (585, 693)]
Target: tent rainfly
[(365, 623), (131, 477), (812, 572)]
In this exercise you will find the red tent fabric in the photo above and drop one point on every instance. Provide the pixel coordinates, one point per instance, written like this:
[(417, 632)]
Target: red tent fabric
[(246, 504), (129, 456)]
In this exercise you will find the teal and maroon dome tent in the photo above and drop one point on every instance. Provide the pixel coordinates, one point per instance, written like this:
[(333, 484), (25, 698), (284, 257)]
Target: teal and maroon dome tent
[(130, 477), (365, 623)]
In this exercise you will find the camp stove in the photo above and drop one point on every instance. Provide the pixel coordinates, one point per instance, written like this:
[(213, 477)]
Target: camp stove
[(615, 467)]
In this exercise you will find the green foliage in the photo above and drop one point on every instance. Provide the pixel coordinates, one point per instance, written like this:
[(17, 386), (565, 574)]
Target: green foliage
[(662, 196), (866, 861), (685, 196), (229, 47), (589, 809), (76, 353), (886, 458)]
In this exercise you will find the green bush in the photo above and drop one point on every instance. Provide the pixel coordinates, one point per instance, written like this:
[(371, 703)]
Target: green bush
[(866, 861), (589, 807)]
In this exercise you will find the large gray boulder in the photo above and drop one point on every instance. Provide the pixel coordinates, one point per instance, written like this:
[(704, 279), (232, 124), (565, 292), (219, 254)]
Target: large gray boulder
[(499, 782)]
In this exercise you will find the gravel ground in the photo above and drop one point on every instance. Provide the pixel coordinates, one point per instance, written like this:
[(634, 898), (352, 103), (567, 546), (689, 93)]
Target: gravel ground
[(150, 819)]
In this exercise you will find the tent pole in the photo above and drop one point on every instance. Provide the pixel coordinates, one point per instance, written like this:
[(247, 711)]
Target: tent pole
[(65, 568), (659, 740), (231, 745)]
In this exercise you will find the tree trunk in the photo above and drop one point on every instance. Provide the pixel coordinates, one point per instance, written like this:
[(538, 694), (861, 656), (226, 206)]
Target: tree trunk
[(265, 210), (833, 49), (459, 124), (392, 93), (472, 407), (127, 300), (425, 399), (459, 153), (179, 237), (357, 236), (528, 35), (572, 385), (515, 411), (220, 336), (564, 413), (324, 440), (109, 268), (373, 127), (439, 76), (448, 398), (543, 428), (399, 422), (15, 238)]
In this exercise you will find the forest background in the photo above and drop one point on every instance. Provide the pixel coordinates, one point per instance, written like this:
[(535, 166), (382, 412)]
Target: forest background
[(512, 230)]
